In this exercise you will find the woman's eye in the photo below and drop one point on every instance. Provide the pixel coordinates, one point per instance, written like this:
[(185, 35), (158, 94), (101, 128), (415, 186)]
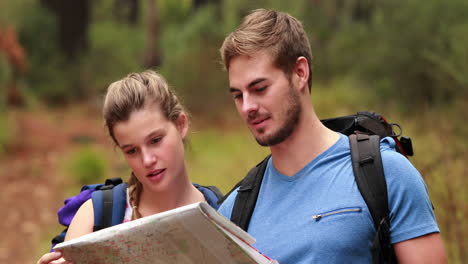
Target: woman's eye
[(131, 151), (237, 95)]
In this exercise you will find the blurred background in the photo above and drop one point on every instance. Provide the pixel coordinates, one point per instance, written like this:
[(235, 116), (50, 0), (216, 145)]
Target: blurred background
[(406, 59)]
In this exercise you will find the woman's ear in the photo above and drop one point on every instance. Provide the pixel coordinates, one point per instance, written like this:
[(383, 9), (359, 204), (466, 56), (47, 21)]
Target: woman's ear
[(182, 124)]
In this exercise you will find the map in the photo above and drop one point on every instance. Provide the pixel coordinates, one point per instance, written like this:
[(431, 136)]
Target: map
[(195, 233)]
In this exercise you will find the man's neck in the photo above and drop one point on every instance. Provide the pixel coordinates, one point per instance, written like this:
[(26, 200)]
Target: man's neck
[(309, 139)]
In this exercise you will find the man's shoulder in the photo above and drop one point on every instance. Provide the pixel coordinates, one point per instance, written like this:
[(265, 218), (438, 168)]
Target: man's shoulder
[(393, 161), (226, 206)]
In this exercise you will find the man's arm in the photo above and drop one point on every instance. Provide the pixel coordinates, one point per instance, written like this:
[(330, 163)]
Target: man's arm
[(424, 249), (414, 231)]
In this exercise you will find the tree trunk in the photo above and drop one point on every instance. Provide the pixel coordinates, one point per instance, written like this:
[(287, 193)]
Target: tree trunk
[(16, 57), (152, 55), (127, 11), (73, 22)]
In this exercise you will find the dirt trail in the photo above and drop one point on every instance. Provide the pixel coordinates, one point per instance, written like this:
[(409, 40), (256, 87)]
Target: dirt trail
[(32, 188)]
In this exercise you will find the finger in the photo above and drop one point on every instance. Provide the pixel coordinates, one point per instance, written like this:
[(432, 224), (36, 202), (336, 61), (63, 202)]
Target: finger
[(46, 258), (60, 261)]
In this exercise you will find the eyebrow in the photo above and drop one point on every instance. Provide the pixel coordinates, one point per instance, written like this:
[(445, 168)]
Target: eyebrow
[(252, 83), (158, 131)]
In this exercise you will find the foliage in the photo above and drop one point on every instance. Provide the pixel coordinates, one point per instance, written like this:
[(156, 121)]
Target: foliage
[(49, 76), (114, 52), (440, 156), (193, 69), (211, 162), (5, 73), (425, 56), (173, 11), (87, 166), (407, 58), (397, 47), (7, 128), (6, 131), (412, 51)]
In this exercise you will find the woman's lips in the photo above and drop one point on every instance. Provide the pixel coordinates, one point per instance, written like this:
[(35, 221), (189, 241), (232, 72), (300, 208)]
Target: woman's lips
[(156, 175)]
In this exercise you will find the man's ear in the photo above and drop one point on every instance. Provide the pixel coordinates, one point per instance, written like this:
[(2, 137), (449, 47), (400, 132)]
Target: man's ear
[(301, 73), (182, 124)]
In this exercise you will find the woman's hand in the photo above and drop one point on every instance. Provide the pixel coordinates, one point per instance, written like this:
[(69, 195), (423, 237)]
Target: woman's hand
[(53, 258)]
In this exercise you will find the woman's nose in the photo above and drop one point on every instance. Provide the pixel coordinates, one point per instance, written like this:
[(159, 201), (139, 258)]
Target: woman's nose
[(148, 158)]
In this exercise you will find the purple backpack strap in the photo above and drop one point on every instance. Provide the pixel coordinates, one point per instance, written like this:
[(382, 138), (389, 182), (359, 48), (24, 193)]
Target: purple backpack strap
[(72, 204)]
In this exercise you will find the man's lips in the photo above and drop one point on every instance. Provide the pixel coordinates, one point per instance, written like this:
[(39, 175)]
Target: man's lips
[(258, 121)]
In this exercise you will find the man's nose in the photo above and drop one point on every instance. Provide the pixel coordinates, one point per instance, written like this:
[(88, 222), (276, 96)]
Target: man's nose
[(249, 105)]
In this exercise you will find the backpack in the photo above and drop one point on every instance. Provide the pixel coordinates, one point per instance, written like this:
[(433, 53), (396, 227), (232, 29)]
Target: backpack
[(109, 203), (364, 129)]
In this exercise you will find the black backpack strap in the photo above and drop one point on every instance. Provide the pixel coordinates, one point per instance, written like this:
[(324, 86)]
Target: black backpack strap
[(370, 179), (59, 238), (246, 198), (107, 205), (112, 182), (221, 200)]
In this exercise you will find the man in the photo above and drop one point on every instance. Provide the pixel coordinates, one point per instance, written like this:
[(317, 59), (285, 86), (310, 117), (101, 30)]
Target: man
[(309, 209)]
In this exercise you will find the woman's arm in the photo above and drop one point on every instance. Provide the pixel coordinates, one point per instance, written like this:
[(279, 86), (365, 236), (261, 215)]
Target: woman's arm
[(82, 222)]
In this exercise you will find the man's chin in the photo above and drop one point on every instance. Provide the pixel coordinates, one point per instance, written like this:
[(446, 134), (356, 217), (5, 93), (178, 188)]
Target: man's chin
[(266, 141), (261, 139), (262, 143), (269, 140)]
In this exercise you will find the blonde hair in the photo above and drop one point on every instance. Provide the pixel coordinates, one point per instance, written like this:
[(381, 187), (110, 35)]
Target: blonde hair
[(135, 92), (280, 34)]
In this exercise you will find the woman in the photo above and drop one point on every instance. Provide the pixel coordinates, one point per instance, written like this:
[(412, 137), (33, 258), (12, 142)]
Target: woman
[(148, 123)]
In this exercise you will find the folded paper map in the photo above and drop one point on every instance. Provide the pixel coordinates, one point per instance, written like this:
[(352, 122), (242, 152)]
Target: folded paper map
[(192, 234)]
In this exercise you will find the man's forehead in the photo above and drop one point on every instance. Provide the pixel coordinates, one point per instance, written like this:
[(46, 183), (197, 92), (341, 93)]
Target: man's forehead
[(245, 69)]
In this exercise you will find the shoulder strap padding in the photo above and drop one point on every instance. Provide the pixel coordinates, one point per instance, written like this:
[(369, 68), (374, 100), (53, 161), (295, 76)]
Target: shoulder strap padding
[(214, 190), (211, 193), (369, 174), (373, 124), (342, 124), (246, 199), (109, 206), (364, 121), (370, 179)]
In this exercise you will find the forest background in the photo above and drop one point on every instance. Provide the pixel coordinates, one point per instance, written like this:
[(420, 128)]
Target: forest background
[(405, 59)]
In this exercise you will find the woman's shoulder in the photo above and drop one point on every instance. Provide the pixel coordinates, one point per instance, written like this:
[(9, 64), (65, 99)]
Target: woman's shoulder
[(211, 193)]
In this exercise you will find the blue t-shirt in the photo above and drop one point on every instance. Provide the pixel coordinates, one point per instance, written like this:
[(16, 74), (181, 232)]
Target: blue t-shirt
[(319, 216)]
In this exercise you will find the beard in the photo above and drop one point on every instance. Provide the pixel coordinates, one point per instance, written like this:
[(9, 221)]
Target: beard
[(290, 120)]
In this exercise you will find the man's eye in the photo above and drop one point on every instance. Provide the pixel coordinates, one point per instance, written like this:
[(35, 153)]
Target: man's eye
[(155, 140), (261, 89)]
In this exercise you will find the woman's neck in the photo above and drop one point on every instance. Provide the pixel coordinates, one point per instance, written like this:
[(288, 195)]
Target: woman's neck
[(151, 203)]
